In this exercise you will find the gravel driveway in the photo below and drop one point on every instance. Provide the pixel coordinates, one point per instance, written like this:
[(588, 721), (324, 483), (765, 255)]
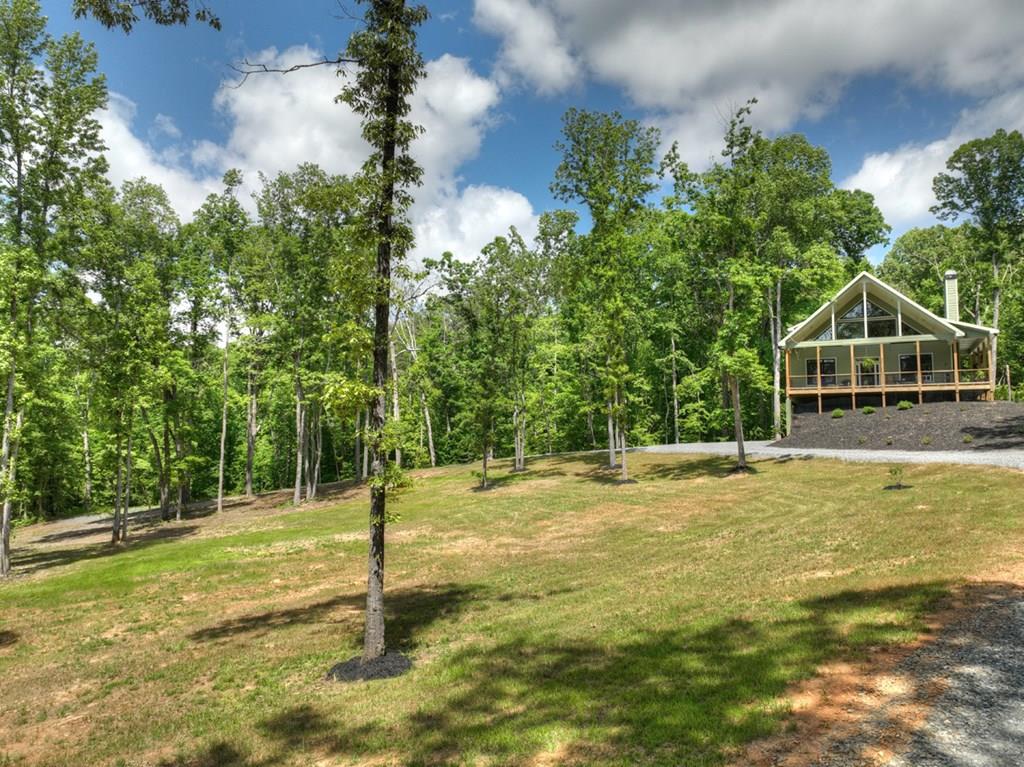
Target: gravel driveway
[(977, 720), (1011, 459)]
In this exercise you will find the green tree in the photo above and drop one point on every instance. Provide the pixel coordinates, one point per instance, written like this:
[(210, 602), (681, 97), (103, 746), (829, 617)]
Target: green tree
[(984, 184), (379, 91), (50, 154), (608, 165)]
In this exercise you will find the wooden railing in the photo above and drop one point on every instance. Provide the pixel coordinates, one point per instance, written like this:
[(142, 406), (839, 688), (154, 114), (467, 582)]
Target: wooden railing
[(893, 380)]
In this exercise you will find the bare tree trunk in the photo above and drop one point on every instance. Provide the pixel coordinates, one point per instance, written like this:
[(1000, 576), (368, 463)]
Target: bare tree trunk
[(300, 440), (115, 533), (621, 427), (997, 300), (127, 486), (9, 476), (223, 420), (250, 431), (357, 463), (163, 484), (737, 420), (776, 320), (365, 473), (395, 412), (86, 452), (611, 437), (483, 478), (430, 429), (675, 396)]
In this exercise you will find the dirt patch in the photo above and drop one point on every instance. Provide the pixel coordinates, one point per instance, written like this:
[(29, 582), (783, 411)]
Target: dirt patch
[(931, 426), (357, 670)]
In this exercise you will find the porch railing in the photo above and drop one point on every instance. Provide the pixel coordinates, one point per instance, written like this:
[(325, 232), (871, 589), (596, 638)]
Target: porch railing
[(894, 380)]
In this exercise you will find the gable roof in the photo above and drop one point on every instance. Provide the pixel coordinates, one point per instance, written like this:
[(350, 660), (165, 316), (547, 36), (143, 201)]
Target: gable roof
[(848, 291)]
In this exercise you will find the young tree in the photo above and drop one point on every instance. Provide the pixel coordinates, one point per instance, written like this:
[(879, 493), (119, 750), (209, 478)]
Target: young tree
[(379, 91)]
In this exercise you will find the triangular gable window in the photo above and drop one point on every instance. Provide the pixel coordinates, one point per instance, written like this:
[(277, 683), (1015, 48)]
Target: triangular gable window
[(910, 330), (856, 312)]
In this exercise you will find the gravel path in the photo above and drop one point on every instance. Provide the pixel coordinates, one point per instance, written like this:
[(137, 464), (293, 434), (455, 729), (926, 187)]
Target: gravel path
[(1012, 459), (978, 718)]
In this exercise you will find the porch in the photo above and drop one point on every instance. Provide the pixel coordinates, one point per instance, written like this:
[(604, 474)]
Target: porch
[(904, 368)]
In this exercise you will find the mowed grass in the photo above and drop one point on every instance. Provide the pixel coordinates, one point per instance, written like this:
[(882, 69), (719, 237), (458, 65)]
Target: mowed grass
[(558, 618)]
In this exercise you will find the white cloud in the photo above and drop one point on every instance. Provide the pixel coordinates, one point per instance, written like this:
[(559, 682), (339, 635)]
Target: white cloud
[(130, 157), (163, 125), (276, 122), (464, 223), (531, 47), (686, 63), (901, 179)]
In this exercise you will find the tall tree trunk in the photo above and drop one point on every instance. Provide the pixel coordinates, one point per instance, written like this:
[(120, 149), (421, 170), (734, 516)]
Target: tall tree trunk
[(365, 473), (395, 411), (483, 477), (620, 421), (162, 480), (115, 532), (127, 485), (675, 395), (250, 431), (775, 307), (997, 300), (611, 437), (430, 429), (737, 422), (357, 473), (300, 440), (86, 452), (223, 420), (9, 477)]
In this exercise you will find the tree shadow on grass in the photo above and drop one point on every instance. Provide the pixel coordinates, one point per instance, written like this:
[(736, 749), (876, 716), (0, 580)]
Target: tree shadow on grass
[(30, 559), (690, 695), (7, 638), (407, 612)]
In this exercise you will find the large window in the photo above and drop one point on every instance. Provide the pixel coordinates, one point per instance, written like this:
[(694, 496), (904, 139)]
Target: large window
[(867, 371), (828, 371), (881, 323), (908, 368)]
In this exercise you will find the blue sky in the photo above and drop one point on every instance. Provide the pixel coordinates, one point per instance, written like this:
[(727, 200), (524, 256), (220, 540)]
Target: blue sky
[(890, 89)]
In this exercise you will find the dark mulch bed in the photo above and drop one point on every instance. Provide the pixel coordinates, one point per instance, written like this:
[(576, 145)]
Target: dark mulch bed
[(355, 670), (931, 426)]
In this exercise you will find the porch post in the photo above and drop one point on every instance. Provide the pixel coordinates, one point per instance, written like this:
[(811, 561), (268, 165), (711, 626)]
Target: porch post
[(956, 367), (789, 378), (920, 376), (789, 416), (881, 365), (853, 378), (817, 374)]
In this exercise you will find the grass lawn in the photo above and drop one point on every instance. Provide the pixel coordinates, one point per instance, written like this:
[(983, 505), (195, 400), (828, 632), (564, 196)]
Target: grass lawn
[(558, 618)]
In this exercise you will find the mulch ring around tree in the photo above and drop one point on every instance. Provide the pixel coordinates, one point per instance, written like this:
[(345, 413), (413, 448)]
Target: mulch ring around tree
[(356, 669), (929, 426)]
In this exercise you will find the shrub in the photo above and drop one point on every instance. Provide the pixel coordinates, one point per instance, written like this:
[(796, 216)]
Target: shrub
[(896, 473), (837, 413), (904, 405), (968, 439), (861, 440), (867, 410), (926, 440), (888, 440)]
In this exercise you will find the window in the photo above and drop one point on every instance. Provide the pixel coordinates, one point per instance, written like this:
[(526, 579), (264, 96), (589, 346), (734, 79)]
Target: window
[(908, 368), (910, 330), (825, 335), (881, 322), (828, 371)]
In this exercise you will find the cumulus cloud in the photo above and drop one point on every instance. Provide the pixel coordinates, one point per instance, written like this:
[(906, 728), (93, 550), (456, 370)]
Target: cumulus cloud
[(901, 179), (531, 48), (463, 223), (276, 122), (130, 157), (686, 64)]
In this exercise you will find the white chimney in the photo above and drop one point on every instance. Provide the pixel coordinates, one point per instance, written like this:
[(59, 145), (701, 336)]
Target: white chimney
[(952, 297)]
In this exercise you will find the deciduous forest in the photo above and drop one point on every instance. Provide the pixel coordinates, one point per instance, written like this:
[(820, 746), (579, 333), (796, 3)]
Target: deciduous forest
[(151, 360)]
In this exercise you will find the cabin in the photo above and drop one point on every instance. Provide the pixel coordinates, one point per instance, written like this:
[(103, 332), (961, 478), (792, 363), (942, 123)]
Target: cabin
[(871, 345)]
